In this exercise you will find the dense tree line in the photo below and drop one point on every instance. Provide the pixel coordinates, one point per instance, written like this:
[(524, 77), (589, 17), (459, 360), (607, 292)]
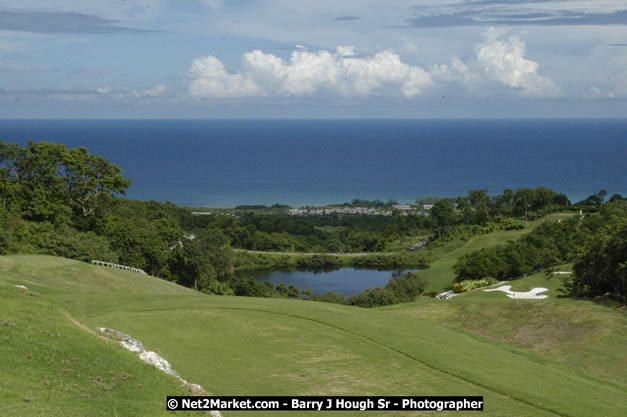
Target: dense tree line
[(478, 208)]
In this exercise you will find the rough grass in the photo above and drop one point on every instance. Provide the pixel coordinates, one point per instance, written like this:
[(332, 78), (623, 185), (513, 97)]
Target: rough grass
[(249, 346), (51, 367)]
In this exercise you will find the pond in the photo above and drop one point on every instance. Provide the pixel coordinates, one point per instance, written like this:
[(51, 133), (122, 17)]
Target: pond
[(348, 281)]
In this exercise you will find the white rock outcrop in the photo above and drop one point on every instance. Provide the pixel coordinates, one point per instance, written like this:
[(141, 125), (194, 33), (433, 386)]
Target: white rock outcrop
[(159, 362), (152, 358)]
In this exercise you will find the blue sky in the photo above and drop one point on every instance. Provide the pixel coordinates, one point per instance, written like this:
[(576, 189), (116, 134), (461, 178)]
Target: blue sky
[(313, 59)]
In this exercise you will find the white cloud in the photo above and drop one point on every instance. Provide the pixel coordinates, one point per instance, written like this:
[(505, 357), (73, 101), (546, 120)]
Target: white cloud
[(457, 70), (107, 91), (155, 91), (503, 60), (345, 50), (210, 79), (308, 73), (104, 90)]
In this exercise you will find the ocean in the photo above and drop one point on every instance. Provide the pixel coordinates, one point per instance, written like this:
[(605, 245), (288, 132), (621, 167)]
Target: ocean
[(225, 163)]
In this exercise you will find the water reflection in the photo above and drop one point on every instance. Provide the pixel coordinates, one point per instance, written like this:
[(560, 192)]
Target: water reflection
[(347, 281)]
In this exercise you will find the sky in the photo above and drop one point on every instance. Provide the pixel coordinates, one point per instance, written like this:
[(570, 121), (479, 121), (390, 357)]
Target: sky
[(313, 59)]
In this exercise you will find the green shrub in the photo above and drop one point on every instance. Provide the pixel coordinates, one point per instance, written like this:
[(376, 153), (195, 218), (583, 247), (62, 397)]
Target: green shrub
[(471, 284)]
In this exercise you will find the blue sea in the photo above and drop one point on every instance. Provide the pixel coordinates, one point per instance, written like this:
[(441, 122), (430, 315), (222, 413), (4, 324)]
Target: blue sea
[(224, 163)]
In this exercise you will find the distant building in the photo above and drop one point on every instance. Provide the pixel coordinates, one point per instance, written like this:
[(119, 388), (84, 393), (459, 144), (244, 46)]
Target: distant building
[(427, 206), (402, 206)]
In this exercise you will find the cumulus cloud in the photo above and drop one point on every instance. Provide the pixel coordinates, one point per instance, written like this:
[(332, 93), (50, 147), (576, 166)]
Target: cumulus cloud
[(456, 71), (346, 50), (497, 59), (503, 60), (307, 73)]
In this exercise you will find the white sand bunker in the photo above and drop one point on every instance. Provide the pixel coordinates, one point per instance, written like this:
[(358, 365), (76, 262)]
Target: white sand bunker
[(529, 295)]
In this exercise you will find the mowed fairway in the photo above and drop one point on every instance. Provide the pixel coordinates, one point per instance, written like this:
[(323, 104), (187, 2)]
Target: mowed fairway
[(250, 346)]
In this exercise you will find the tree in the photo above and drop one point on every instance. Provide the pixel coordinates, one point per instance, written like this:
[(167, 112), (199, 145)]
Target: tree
[(443, 214), (48, 180), (464, 208), (522, 201), (87, 177), (602, 265), (595, 199), (480, 203), (406, 287)]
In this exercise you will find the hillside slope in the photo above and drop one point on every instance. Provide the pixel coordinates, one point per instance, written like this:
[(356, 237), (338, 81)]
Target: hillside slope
[(250, 346)]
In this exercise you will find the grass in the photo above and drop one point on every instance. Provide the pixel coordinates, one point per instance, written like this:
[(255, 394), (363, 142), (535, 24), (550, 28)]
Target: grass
[(440, 273), (250, 346), (51, 367), (581, 334)]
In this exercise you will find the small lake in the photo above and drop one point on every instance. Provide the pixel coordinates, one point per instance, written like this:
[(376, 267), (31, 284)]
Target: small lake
[(348, 281)]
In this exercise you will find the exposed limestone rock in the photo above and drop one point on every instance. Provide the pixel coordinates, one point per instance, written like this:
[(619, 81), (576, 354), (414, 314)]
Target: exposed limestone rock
[(196, 389), (127, 341), (156, 360), (153, 358)]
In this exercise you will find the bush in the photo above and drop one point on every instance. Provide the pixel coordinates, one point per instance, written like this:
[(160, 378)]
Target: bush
[(65, 241), (372, 297), (471, 284), (406, 287), (403, 288)]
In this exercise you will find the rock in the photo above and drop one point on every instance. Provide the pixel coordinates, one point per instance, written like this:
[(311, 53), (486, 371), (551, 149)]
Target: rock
[(6, 323), (154, 359), (446, 295), (610, 296), (196, 389), (129, 343), (34, 294), (21, 287)]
